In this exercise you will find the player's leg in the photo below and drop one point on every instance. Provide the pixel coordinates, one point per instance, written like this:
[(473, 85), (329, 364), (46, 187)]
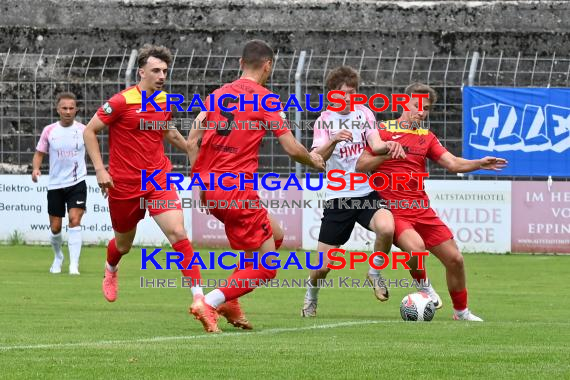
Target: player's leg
[(74, 240), (450, 256), (56, 211), (117, 247), (336, 226), (76, 197), (316, 275), (278, 234), (249, 230), (125, 215), (409, 240), (382, 223), (240, 283), (171, 222)]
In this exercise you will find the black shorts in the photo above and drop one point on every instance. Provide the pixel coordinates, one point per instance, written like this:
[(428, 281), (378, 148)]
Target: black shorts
[(75, 196), (341, 214)]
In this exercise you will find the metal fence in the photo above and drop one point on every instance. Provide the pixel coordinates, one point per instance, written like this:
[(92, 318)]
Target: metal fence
[(30, 81)]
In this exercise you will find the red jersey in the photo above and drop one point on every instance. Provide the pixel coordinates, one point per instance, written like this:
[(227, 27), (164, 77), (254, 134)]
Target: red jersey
[(131, 148), (236, 150), (418, 144)]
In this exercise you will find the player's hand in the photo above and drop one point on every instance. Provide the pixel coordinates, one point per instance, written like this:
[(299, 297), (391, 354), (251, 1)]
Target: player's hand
[(36, 173), (493, 163), (395, 150), (343, 135), (104, 181), (203, 201), (317, 161)]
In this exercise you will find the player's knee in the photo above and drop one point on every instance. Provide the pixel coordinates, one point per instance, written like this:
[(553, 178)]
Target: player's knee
[(55, 230), (179, 233), (383, 227), (74, 222), (123, 248), (455, 261), (323, 272)]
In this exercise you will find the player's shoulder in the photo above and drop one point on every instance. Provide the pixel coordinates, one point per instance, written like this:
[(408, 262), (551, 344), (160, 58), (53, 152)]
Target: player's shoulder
[(326, 116), (79, 125), (50, 127), (133, 95)]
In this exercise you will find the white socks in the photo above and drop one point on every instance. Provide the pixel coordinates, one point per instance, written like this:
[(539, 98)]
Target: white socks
[(215, 298), (312, 292), (56, 241), (378, 261), (196, 290), (74, 242)]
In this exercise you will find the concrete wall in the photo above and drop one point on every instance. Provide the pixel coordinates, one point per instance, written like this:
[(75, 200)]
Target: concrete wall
[(455, 26)]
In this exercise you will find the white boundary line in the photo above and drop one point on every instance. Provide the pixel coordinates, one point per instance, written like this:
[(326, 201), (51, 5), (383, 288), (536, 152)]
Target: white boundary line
[(188, 337)]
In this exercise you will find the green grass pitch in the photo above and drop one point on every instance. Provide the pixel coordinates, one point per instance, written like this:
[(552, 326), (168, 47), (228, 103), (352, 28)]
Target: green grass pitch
[(58, 326)]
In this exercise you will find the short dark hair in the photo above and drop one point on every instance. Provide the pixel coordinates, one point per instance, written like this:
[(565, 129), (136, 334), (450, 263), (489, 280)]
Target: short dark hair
[(342, 75), (255, 53), (420, 88), (65, 95), (161, 52)]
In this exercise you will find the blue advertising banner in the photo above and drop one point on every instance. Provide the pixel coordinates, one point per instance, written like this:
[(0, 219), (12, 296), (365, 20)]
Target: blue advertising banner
[(530, 127)]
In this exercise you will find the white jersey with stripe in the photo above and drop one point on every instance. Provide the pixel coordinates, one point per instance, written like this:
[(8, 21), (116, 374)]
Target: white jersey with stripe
[(66, 154)]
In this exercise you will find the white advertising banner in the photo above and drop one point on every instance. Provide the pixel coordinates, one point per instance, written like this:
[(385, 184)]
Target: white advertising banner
[(478, 213), (23, 208)]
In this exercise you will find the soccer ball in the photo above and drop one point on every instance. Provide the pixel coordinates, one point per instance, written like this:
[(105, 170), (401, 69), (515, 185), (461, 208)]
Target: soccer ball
[(417, 307)]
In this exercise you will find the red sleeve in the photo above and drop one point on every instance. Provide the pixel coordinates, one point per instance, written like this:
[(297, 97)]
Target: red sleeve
[(435, 150), (112, 109)]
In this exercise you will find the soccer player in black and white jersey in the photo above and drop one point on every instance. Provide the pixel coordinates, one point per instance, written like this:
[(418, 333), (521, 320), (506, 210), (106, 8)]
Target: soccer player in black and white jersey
[(341, 147), (63, 141)]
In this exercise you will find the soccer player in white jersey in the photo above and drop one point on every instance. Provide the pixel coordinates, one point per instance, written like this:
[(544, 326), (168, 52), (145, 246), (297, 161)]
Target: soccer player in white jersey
[(340, 137), (63, 141)]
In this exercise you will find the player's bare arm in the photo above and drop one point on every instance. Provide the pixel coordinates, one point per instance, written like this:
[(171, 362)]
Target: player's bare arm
[(367, 162), (95, 126), (328, 148), (36, 164), (460, 165), (391, 148), (195, 138), (175, 138), (299, 153)]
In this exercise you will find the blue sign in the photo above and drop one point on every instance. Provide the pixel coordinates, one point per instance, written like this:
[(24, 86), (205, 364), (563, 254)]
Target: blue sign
[(530, 127)]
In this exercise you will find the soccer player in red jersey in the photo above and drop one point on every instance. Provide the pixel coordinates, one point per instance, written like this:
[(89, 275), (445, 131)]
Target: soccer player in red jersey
[(421, 229), (132, 149), (237, 151)]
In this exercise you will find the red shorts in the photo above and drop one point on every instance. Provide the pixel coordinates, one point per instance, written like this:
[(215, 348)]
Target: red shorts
[(127, 212), (426, 223), (246, 228)]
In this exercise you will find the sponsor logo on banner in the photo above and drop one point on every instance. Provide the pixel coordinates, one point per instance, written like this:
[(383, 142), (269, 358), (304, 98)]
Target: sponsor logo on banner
[(477, 212), (530, 127), (541, 217)]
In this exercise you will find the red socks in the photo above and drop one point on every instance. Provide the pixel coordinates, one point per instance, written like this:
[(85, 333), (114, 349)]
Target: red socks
[(113, 254), (419, 275), (184, 247), (459, 299)]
